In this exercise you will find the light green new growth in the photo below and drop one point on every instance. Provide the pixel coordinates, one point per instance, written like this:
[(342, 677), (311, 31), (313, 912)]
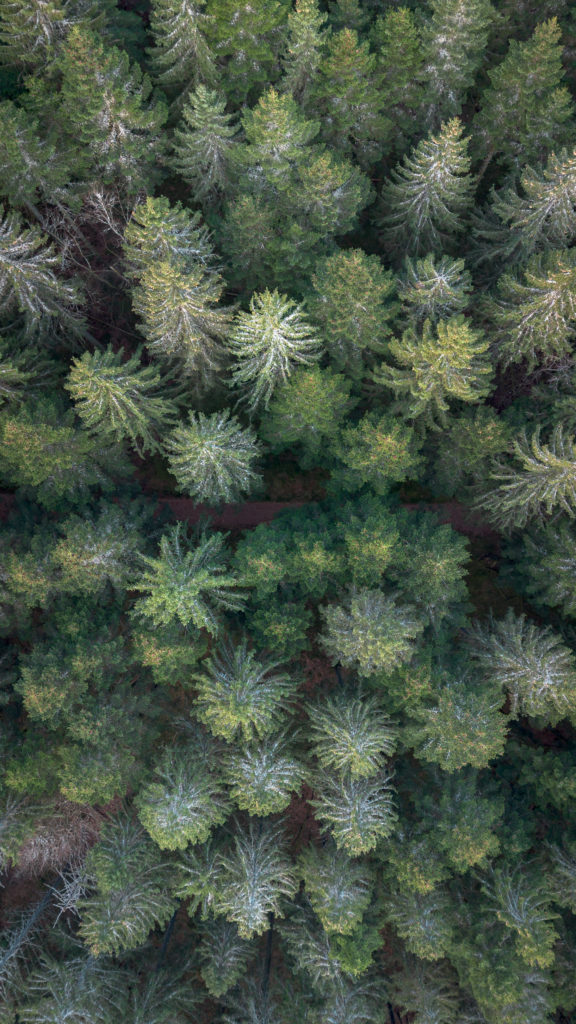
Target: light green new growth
[(351, 735)]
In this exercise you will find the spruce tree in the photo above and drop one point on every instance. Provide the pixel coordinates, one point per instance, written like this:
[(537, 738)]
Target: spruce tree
[(526, 108), (246, 39), (454, 44), (241, 694), (30, 166), (159, 231), (522, 903), (204, 144), (359, 812), (97, 549), (263, 777), (181, 57), (212, 457), (223, 954), (442, 364), (30, 32), (396, 36), (338, 888), (378, 451), (427, 197), (268, 341), (423, 920), (121, 400), (549, 561), (191, 584), (304, 47), (306, 412), (433, 289), (370, 632), (351, 734)]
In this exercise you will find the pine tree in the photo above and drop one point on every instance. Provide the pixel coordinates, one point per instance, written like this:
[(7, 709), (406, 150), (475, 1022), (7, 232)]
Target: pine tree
[(238, 693), (531, 663), (427, 197), (212, 457), (304, 48), (351, 303), (544, 480), (359, 812), (181, 57), (454, 44), (180, 316), (160, 232), (44, 450), (267, 342), (263, 777), (464, 726), (370, 631), (121, 400), (186, 798), (351, 734), (29, 284), (131, 898), (378, 451), (224, 955), (433, 289), (444, 363), (306, 412), (534, 314), (188, 584), (105, 106), (338, 888), (348, 98), (256, 873), (526, 108), (205, 144)]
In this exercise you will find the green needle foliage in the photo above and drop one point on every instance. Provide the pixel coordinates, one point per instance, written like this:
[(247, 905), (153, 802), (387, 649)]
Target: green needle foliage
[(120, 399), (370, 632), (454, 43), (224, 955), (181, 56), (204, 144), (306, 39), (338, 888), (263, 777), (359, 812), (158, 231), (352, 735), (239, 693), (379, 451), (190, 584), (212, 457), (307, 412), (268, 342), (432, 289)]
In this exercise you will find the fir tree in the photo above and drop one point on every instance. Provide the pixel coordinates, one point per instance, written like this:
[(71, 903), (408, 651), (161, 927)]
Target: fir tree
[(442, 364), (212, 457), (105, 106), (534, 315), (256, 873), (306, 411), (186, 798), (338, 888), (544, 480), (351, 303), (427, 197), (351, 734), (189, 584), (121, 400), (267, 342), (204, 145), (530, 663), (526, 108), (262, 778), (181, 57), (359, 812), (370, 632), (304, 48), (454, 44), (434, 290), (239, 693), (29, 284)]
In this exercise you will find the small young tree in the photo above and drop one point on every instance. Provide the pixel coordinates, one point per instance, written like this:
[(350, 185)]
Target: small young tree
[(433, 289), (351, 734), (370, 632), (186, 799), (338, 888), (351, 303), (268, 341), (544, 481), (531, 663), (239, 693), (212, 457), (359, 812), (191, 584), (445, 363), (121, 400), (262, 777), (526, 109), (427, 197), (204, 145), (256, 873)]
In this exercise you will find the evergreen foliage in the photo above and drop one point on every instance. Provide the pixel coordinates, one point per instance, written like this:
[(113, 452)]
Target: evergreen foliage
[(204, 144), (212, 457), (370, 631)]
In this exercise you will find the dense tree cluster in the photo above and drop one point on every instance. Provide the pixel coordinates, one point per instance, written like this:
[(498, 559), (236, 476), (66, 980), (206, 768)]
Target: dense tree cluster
[(319, 770)]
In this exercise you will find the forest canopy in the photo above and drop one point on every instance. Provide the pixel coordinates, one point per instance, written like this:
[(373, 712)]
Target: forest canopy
[(287, 503)]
